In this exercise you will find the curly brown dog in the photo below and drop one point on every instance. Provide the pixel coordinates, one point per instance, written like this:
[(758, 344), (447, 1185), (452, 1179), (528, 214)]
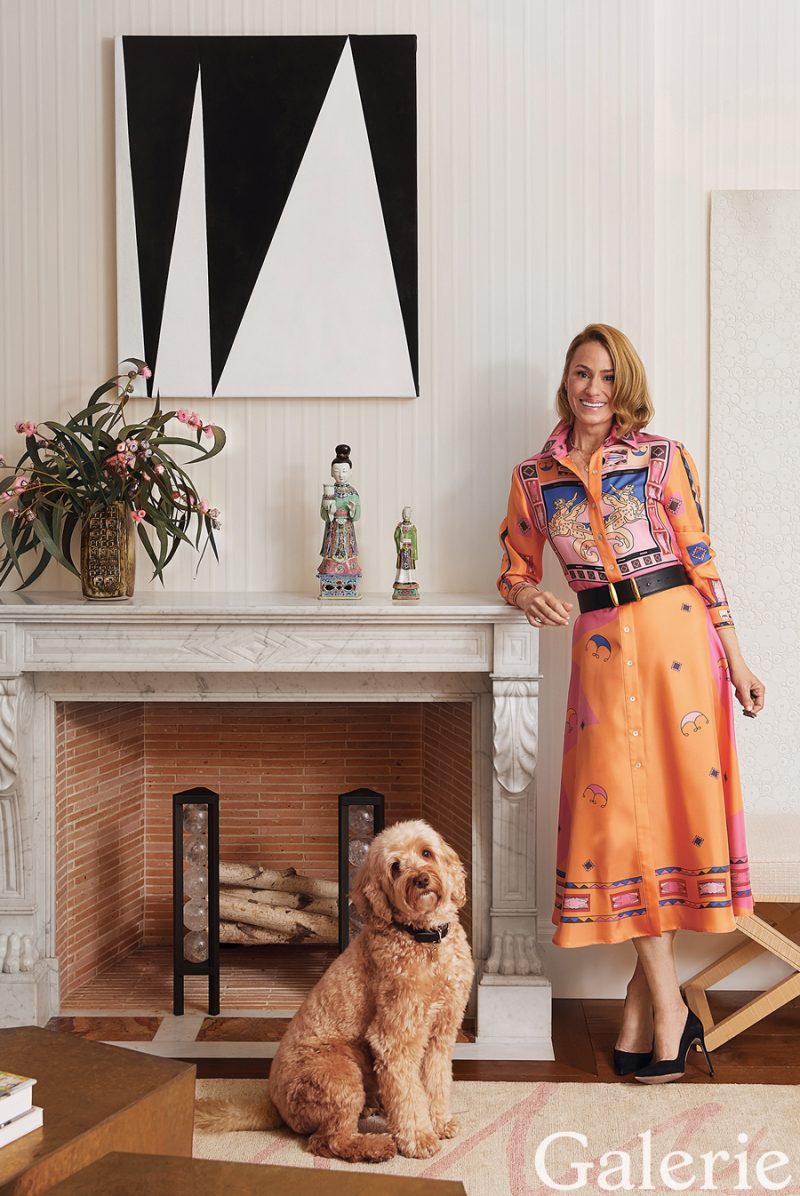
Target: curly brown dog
[(377, 1030)]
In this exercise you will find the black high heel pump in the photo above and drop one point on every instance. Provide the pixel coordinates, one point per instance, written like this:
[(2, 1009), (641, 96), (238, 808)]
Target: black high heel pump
[(664, 1070), (627, 1061)]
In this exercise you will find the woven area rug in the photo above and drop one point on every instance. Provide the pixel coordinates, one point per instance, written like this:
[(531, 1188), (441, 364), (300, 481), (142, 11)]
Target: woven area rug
[(504, 1124)]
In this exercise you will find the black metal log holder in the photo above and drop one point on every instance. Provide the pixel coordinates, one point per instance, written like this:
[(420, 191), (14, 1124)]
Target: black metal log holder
[(370, 800), (181, 837)]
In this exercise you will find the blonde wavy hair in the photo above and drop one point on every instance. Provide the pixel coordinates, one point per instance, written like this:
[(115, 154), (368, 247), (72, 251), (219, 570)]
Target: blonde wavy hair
[(632, 404)]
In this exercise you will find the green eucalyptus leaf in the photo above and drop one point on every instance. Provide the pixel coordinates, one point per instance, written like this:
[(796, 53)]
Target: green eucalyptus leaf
[(39, 568), (175, 546), (219, 445), (163, 541), (87, 413), (45, 537), (145, 539), (109, 384), (32, 451), (7, 522), (212, 541), (70, 523)]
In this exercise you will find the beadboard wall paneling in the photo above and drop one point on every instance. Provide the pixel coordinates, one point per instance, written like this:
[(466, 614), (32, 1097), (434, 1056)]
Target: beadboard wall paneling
[(755, 342), (535, 203)]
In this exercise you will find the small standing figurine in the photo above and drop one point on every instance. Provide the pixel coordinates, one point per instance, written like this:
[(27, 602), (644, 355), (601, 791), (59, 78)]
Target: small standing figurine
[(406, 587), (339, 573)]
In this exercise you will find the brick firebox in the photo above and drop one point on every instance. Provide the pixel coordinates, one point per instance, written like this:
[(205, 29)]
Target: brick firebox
[(278, 768)]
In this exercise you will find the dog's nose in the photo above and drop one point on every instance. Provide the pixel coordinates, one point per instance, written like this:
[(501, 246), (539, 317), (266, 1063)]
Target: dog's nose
[(422, 880)]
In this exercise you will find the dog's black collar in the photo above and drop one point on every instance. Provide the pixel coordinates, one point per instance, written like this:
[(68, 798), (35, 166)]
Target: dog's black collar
[(425, 936)]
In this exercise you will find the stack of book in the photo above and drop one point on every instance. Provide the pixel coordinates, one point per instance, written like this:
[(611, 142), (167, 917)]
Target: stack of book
[(18, 1114)]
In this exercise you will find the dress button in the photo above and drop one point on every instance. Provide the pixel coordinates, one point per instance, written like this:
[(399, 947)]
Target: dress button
[(634, 732), (633, 697), (629, 662), (638, 764), (626, 628)]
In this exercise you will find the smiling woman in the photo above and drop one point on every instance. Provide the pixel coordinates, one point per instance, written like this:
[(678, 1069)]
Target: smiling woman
[(651, 834)]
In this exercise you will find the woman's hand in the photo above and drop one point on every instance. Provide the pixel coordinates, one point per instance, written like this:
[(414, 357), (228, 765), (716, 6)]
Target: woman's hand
[(749, 690), (543, 609)]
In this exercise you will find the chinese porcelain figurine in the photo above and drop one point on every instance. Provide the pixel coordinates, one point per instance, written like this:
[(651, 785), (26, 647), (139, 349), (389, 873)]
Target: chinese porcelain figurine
[(405, 541), (339, 572)]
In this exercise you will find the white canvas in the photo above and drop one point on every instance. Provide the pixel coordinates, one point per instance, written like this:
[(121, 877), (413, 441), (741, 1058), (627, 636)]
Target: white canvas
[(324, 317), (184, 353)]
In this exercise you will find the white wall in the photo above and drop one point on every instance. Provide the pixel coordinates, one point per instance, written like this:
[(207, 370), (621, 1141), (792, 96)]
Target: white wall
[(566, 153)]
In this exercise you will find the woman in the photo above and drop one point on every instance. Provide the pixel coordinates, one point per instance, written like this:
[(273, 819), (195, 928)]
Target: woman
[(651, 834)]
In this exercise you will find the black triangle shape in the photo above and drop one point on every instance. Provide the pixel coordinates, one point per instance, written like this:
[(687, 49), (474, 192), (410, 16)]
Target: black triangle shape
[(160, 82), (387, 81), (261, 100)]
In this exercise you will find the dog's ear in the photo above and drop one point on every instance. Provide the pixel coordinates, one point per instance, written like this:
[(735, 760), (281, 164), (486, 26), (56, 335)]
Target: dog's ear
[(366, 893), (457, 874)]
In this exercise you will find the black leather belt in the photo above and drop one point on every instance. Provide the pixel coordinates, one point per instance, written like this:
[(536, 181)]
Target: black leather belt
[(632, 589)]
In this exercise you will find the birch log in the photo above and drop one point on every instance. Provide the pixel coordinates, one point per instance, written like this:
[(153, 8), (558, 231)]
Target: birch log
[(285, 921), (286, 880), (238, 932), (312, 905)]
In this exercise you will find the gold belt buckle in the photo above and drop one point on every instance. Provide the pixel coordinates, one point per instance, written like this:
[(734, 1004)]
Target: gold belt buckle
[(615, 597)]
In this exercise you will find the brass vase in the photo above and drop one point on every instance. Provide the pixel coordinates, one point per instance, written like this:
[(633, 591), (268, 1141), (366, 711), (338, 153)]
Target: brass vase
[(108, 557)]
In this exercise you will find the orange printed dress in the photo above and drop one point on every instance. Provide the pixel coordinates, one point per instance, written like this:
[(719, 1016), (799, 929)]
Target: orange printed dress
[(651, 833)]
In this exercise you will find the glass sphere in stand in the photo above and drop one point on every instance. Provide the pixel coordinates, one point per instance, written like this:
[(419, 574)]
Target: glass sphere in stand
[(360, 822), (195, 882), (195, 946), (195, 914), (195, 850), (195, 819), (357, 851)]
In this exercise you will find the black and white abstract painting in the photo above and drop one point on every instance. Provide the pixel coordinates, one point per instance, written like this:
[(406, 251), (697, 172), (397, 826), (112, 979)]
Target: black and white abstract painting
[(267, 214)]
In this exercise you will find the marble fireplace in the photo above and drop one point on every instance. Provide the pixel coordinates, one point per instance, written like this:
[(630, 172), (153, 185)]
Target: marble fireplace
[(473, 653)]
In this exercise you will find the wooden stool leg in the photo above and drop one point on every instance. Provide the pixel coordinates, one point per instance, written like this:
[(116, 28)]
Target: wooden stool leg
[(773, 928), (762, 1005)]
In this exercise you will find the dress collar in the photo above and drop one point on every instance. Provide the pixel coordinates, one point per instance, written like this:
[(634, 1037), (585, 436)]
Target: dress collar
[(556, 443)]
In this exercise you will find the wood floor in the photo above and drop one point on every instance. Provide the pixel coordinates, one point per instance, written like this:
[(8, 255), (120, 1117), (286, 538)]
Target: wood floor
[(584, 1032)]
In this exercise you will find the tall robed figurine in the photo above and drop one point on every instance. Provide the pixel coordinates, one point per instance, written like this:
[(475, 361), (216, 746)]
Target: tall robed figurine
[(339, 572), (406, 587)]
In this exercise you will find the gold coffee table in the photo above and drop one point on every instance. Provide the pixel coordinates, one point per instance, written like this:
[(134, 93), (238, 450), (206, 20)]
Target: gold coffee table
[(96, 1099), (135, 1174)]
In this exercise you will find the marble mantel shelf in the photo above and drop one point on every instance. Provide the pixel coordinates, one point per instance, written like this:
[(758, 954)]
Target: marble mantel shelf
[(41, 604), (262, 632), (269, 647)]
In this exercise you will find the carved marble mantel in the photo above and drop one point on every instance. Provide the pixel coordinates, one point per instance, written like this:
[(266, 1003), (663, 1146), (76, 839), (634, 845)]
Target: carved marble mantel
[(279, 647)]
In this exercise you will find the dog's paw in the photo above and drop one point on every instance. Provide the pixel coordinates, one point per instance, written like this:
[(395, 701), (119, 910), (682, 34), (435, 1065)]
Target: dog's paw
[(376, 1148), (419, 1145), (354, 1148), (446, 1127)]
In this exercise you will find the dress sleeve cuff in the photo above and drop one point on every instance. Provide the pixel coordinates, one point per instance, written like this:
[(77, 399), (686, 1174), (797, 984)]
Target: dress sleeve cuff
[(721, 616), (515, 591)]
